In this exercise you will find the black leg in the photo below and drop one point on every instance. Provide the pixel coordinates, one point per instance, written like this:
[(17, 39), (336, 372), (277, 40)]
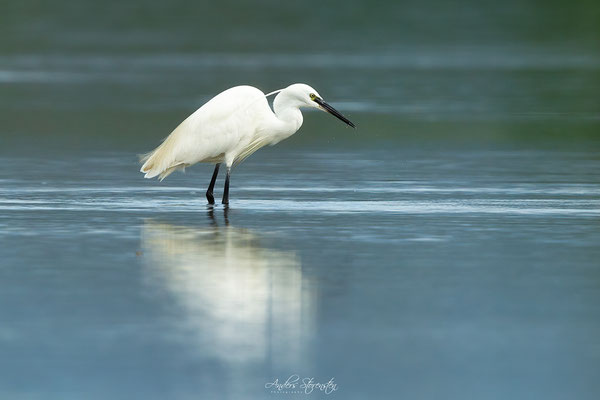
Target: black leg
[(209, 192), (226, 190)]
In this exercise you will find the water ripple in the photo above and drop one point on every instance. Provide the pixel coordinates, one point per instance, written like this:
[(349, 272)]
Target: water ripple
[(495, 206)]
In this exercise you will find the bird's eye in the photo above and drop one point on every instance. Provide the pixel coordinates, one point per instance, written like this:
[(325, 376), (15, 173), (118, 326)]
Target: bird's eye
[(313, 96)]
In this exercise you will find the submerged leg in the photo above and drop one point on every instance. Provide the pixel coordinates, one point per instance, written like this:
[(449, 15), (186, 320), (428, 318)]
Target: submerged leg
[(226, 190), (209, 191)]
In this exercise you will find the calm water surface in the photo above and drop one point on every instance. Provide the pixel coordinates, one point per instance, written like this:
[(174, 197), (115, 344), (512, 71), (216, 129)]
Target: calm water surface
[(476, 270)]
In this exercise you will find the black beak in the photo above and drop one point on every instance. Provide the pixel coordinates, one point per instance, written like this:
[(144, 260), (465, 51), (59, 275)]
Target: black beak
[(333, 111)]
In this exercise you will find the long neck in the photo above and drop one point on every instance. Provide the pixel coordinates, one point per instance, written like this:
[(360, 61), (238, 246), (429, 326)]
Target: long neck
[(287, 111)]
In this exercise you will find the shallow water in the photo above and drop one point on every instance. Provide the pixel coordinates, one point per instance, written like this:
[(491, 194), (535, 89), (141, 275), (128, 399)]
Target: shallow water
[(475, 270)]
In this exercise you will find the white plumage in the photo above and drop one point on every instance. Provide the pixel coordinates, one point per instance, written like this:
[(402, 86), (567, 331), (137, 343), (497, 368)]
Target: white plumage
[(232, 126)]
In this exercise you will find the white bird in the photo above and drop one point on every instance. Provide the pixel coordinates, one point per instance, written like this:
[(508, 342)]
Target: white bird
[(232, 126)]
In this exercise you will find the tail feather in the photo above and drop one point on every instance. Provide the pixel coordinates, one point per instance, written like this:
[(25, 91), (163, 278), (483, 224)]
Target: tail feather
[(159, 162), (148, 167), (143, 159), (170, 170)]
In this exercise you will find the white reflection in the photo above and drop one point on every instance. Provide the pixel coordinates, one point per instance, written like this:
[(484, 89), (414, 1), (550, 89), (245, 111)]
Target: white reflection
[(239, 302)]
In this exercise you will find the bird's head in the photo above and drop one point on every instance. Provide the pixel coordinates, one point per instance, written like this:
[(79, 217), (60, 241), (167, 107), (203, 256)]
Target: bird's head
[(306, 96)]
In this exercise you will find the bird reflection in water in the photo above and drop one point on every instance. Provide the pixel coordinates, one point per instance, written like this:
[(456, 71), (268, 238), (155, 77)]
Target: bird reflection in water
[(234, 299)]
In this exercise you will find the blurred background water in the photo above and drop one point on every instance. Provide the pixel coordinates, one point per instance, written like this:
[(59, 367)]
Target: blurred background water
[(448, 247)]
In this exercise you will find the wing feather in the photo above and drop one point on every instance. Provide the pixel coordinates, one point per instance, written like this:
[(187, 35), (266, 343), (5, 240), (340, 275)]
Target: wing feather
[(218, 126)]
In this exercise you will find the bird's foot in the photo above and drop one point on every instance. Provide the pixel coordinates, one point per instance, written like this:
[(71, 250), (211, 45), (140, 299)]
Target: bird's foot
[(210, 198)]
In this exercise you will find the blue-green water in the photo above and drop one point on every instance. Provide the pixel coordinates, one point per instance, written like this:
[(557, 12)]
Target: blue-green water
[(447, 248), (386, 271)]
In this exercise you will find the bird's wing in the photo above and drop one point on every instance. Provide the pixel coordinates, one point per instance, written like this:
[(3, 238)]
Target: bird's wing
[(207, 134)]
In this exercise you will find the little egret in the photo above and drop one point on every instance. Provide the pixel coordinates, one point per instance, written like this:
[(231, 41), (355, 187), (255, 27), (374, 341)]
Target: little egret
[(230, 127)]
